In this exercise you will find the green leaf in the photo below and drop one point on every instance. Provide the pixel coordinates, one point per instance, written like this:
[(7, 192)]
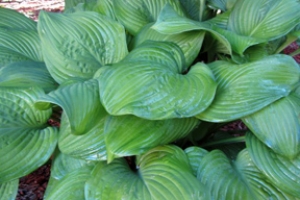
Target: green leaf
[(76, 45), (278, 125), (247, 88), (136, 14), (162, 173), (265, 19), (197, 9), (82, 122), (26, 74), (18, 44), (68, 177), (142, 86), (284, 173), (26, 142), (130, 135), (72, 3), (15, 20), (189, 42), (221, 4), (239, 179), (195, 155), (9, 190)]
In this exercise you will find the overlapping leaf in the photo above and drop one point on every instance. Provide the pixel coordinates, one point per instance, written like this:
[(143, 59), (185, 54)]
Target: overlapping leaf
[(284, 173), (162, 173), (26, 74), (68, 177), (14, 20), (9, 190), (136, 14), (247, 88), (278, 125), (151, 84), (130, 135), (78, 44), (26, 142), (189, 42), (82, 122), (229, 179), (265, 19)]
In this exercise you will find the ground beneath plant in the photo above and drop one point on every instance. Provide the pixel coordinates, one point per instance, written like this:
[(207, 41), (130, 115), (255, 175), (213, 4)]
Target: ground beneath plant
[(32, 187)]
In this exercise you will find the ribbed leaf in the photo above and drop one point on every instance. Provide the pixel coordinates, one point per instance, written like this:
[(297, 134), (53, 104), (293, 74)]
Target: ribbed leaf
[(221, 4), (227, 179), (136, 14), (154, 88), (247, 88), (266, 19), (15, 20), (73, 3), (278, 125), (130, 135), (189, 42), (68, 176), (162, 173), (78, 44), (195, 155), (197, 9), (9, 190), (284, 173), (82, 122), (19, 44), (26, 74), (25, 140)]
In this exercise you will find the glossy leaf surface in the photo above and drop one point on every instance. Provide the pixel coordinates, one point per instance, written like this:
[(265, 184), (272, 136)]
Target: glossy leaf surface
[(26, 142), (162, 173), (78, 44), (150, 84), (129, 135), (247, 88)]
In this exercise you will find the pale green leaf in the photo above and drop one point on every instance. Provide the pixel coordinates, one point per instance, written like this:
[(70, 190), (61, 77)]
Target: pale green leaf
[(195, 155), (265, 19), (130, 135), (15, 20), (68, 177), (155, 88), (284, 173), (247, 88), (17, 44), (278, 125), (9, 190), (72, 3), (82, 122), (162, 173), (26, 142), (189, 42), (26, 74), (78, 44), (228, 179), (136, 14)]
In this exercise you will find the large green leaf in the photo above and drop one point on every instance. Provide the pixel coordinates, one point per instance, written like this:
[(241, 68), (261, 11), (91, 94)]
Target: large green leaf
[(195, 155), (26, 142), (15, 20), (19, 44), (9, 190), (284, 173), (240, 179), (266, 19), (278, 125), (151, 85), (26, 74), (221, 4), (78, 44), (136, 14), (189, 42), (197, 9), (130, 135), (161, 173), (68, 177), (82, 122), (247, 88)]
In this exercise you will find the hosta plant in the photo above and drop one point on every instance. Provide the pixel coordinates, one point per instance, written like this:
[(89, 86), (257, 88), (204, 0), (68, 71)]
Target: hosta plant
[(141, 90)]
